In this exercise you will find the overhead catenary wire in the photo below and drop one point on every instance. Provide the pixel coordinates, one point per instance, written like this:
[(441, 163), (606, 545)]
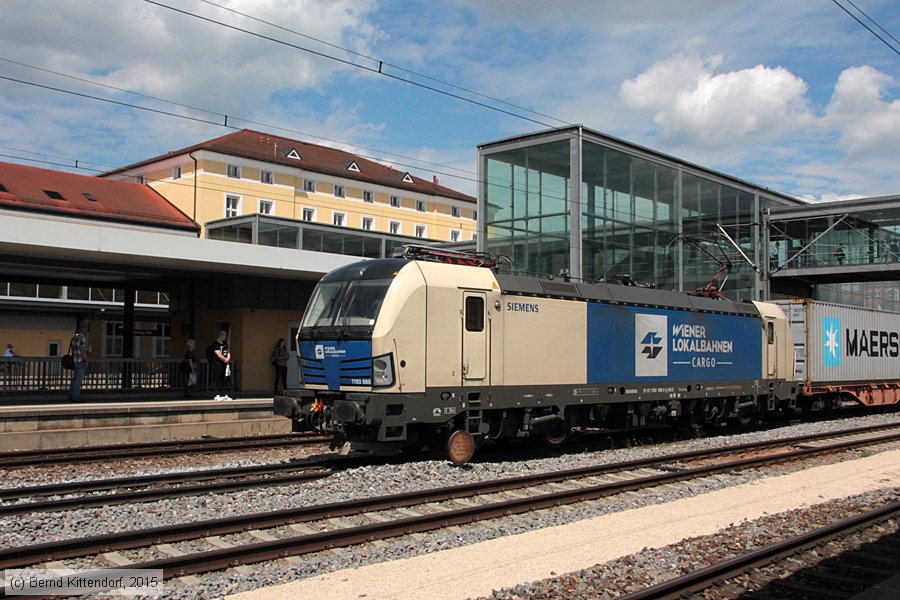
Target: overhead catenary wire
[(872, 31), (873, 21), (383, 63), (373, 70), (239, 119), (187, 117), (234, 119)]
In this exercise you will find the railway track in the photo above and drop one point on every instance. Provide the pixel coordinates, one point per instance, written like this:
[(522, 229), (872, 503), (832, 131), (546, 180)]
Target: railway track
[(62, 456), (716, 576), (189, 483), (459, 505)]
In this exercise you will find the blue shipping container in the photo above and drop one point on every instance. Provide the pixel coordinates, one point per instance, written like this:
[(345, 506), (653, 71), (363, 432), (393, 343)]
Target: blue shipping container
[(631, 344)]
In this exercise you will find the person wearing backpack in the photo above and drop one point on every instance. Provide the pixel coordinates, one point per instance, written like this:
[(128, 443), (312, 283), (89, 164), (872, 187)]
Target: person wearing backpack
[(220, 366), (78, 348), (189, 368)]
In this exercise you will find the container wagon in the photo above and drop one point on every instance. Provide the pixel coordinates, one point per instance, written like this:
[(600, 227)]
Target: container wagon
[(844, 353)]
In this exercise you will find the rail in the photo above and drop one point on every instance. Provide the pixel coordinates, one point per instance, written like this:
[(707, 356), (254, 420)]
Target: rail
[(46, 374)]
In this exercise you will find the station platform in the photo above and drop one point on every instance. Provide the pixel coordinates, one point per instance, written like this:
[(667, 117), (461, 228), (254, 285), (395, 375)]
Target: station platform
[(61, 425)]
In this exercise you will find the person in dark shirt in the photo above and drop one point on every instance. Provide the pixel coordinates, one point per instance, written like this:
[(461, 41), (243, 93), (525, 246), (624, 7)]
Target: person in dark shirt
[(220, 366)]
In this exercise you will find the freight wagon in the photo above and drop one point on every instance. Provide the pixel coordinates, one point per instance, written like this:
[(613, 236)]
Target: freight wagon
[(397, 353), (844, 353)]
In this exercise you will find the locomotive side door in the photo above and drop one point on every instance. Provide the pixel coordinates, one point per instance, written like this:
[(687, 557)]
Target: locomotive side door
[(474, 338)]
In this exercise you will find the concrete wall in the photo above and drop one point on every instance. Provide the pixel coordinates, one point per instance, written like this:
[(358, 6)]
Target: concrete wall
[(30, 334)]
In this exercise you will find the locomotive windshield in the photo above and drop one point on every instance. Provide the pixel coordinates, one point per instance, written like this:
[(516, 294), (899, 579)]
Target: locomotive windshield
[(346, 303)]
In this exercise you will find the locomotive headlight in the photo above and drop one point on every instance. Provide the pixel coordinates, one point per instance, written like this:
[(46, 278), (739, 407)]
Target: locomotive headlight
[(382, 370)]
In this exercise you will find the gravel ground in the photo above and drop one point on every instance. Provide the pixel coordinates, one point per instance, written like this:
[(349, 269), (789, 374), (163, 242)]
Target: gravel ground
[(379, 480), (154, 465), (370, 481), (638, 571)]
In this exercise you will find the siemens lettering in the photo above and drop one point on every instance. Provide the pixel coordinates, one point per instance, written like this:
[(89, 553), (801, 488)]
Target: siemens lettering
[(872, 343), (522, 307)]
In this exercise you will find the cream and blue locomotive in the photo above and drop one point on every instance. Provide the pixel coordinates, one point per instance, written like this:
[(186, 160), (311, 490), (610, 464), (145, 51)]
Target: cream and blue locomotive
[(396, 353)]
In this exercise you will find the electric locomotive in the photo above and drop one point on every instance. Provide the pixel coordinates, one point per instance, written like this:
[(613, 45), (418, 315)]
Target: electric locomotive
[(437, 348)]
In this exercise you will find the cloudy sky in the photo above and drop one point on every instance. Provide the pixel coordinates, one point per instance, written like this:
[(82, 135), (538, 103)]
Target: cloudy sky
[(795, 95)]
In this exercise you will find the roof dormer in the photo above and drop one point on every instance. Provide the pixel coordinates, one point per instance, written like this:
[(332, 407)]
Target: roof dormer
[(407, 178), (292, 153)]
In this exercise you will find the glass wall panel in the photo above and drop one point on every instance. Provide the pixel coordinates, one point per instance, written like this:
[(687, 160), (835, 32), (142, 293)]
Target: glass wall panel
[(882, 295), (627, 218), (77, 293), (242, 232), (280, 236), (49, 291), (527, 199), (706, 204), (861, 238), (27, 290)]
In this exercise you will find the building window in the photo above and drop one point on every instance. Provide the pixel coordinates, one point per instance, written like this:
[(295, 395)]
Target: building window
[(176, 172), (234, 171), (454, 211), (368, 223), (368, 196), (266, 207), (339, 191), (420, 205), (266, 177), (395, 201), (339, 219), (309, 185), (455, 235), (395, 227), (112, 343), (139, 179), (474, 237), (232, 205), (421, 231), (474, 215), (309, 214)]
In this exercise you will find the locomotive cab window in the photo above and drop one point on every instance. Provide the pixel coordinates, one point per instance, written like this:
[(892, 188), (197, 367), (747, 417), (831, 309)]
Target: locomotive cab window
[(770, 332), (474, 313)]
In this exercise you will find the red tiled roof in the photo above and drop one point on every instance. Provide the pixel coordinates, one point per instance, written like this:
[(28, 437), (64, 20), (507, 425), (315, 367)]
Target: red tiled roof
[(33, 189), (266, 147)]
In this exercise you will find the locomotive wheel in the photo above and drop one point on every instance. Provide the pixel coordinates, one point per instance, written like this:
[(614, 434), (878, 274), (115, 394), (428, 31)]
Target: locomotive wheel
[(556, 434), (461, 447)]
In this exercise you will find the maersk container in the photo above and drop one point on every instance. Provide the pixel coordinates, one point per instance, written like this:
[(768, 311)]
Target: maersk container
[(837, 344)]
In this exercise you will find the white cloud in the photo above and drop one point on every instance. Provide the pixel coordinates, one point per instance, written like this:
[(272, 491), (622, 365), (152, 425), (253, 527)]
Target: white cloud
[(867, 124), (693, 105)]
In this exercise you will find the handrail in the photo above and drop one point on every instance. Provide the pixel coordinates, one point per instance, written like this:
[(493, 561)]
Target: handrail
[(46, 374)]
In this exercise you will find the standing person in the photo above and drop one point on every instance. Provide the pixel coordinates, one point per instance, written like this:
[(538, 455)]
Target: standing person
[(78, 348), (840, 255), (220, 366), (190, 369), (280, 360)]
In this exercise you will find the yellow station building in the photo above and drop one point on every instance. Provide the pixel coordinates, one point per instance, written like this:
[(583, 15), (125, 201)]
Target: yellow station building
[(254, 173)]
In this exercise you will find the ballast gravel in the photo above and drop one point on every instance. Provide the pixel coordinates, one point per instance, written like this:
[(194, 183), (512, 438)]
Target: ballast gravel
[(380, 480), (638, 571)]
